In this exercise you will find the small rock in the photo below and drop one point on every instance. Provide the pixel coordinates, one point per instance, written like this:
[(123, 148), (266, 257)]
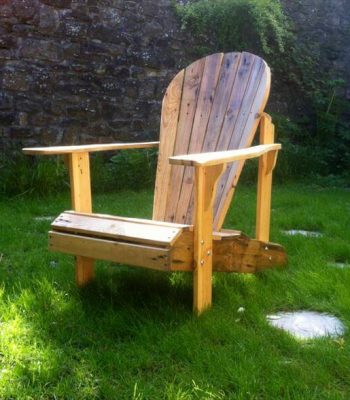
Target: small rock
[(340, 265), (54, 264), (294, 232), (47, 218)]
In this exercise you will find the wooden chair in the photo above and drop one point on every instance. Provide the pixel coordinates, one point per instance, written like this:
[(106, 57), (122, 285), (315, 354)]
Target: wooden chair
[(210, 113)]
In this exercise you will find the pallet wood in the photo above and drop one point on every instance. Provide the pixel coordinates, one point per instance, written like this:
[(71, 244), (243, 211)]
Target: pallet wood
[(110, 250), (168, 129), (206, 95), (206, 181), (266, 164), (189, 97), (221, 103), (127, 230), (232, 252), (210, 114), (223, 157), (87, 148), (79, 172)]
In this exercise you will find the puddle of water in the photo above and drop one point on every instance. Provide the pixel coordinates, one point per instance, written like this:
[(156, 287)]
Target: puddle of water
[(307, 324), (294, 232)]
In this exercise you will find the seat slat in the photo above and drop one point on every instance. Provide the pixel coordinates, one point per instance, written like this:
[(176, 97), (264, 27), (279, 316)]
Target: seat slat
[(137, 220), (126, 230)]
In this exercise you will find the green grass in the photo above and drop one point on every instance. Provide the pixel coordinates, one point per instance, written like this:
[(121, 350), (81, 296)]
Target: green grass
[(132, 335)]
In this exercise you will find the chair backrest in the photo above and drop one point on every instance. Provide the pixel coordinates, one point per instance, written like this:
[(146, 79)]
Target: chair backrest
[(214, 104)]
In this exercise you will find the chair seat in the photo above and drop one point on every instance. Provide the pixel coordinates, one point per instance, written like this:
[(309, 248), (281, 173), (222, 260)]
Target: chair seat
[(157, 245), (131, 230)]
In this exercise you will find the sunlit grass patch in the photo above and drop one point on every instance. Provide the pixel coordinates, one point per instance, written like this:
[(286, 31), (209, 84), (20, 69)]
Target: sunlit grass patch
[(132, 334)]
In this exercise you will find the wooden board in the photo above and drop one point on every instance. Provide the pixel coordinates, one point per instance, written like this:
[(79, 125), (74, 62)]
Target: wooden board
[(110, 250), (87, 148), (117, 229), (168, 130), (232, 252), (189, 98), (222, 157)]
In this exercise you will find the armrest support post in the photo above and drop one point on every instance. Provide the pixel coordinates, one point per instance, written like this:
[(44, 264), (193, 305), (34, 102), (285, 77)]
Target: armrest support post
[(80, 186), (266, 165), (206, 179)]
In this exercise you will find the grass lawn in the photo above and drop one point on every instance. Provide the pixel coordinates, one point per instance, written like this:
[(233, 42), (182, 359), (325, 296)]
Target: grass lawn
[(132, 335)]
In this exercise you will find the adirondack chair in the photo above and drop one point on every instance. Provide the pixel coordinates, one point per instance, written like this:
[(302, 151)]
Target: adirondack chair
[(210, 113)]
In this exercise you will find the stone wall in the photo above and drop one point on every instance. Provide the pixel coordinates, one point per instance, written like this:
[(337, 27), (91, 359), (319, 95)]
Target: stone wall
[(80, 71), (324, 26)]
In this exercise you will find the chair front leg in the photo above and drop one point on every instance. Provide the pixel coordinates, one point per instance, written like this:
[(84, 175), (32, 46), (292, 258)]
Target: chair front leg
[(206, 179), (79, 172)]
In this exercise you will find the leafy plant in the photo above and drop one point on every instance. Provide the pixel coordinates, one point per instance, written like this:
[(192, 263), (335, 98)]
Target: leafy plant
[(21, 174), (256, 25)]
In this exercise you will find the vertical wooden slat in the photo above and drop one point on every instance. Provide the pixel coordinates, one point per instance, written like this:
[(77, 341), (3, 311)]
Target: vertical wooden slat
[(266, 163), (206, 179), (244, 131), (200, 123), (168, 130), (79, 171), (191, 88), (230, 64)]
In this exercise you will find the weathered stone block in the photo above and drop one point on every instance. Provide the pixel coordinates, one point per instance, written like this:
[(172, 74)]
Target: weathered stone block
[(16, 80), (25, 10), (48, 19), (40, 49)]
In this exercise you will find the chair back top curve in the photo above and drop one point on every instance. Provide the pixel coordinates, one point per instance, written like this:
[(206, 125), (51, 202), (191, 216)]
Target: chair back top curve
[(214, 104)]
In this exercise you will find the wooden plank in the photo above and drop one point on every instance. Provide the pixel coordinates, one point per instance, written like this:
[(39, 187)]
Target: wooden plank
[(191, 89), (222, 96), (87, 148), (245, 255), (222, 157), (266, 165), (116, 229), (168, 130), (79, 172), (233, 252), (181, 253), (232, 114), (224, 93), (229, 180), (205, 186), (203, 111), (136, 220), (108, 250)]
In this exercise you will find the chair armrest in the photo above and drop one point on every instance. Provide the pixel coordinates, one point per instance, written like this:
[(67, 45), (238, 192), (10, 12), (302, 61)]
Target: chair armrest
[(222, 157), (88, 148)]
